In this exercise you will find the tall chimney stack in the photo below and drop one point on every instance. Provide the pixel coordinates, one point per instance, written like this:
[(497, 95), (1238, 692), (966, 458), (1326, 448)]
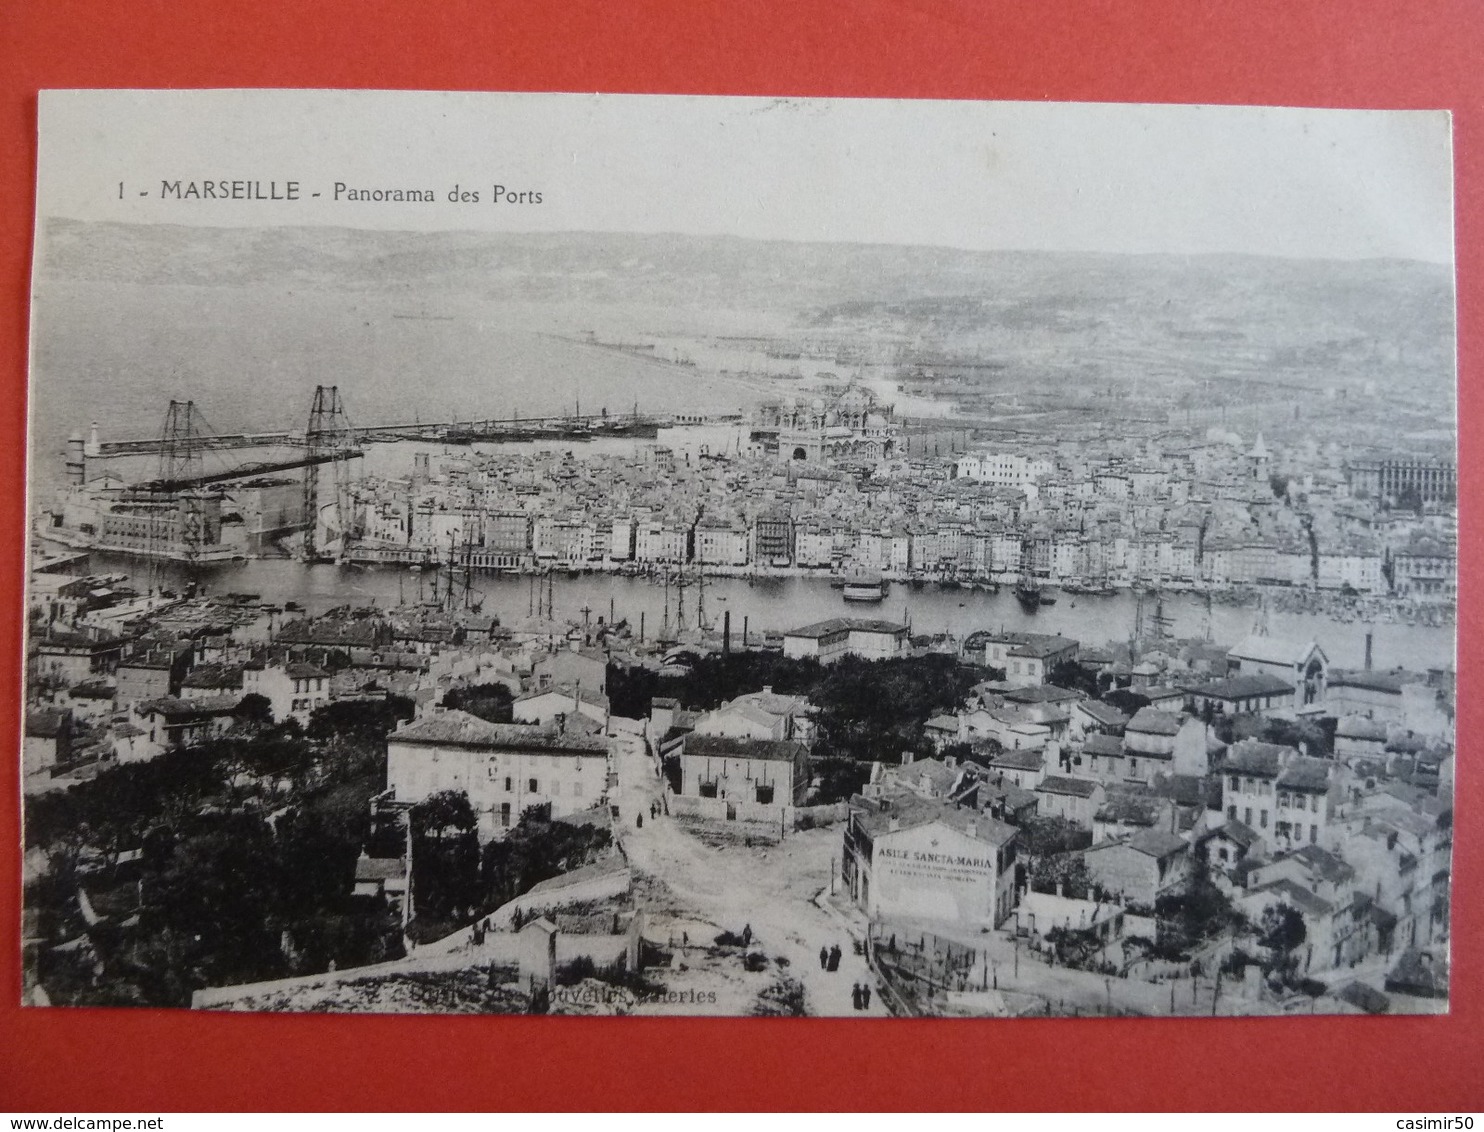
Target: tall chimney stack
[(1368, 650), (726, 632)]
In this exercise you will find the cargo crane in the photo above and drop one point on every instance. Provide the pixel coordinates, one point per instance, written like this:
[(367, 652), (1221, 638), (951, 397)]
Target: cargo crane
[(182, 483), (329, 439)]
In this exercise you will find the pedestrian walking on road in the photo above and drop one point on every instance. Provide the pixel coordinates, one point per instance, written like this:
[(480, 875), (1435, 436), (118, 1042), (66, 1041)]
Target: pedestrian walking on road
[(855, 996), (639, 822), (834, 958), (746, 935), (824, 958), (865, 996)]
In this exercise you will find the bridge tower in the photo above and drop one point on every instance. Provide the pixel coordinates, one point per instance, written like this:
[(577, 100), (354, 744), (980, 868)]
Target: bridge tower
[(329, 434), (182, 438)]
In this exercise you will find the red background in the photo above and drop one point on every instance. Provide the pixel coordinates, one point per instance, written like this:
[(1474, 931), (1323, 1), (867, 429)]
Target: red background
[(1347, 53)]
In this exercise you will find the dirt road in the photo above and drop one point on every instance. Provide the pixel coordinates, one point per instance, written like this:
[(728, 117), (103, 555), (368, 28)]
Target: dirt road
[(769, 888)]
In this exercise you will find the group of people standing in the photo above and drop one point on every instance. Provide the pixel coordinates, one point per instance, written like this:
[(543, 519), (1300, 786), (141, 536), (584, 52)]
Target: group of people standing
[(860, 993)]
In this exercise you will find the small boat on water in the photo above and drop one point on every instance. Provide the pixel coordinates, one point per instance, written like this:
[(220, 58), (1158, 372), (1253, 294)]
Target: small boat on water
[(1047, 598), (865, 587)]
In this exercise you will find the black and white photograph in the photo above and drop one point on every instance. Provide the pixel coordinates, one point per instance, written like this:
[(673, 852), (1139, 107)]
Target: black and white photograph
[(674, 555)]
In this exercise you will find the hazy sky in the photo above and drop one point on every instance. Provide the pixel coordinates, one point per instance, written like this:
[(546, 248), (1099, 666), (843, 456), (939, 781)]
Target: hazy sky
[(1057, 176)]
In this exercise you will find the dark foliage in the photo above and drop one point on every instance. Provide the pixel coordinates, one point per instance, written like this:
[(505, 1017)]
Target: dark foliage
[(1042, 838), (875, 710), (1126, 701), (1198, 912), (1304, 734), (493, 703), (1282, 929), (839, 779), (1065, 874), (717, 678), (630, 690), (1075, 677), (536, 850), (363, 723), (223, 896), (254, 709)]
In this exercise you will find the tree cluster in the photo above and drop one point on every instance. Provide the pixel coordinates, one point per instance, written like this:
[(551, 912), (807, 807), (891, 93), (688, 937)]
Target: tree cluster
[(246, 850), (455, 881), (493, 703)]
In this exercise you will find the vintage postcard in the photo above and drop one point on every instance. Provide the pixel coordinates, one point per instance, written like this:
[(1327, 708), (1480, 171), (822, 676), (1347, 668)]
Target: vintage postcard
[(673, 555)]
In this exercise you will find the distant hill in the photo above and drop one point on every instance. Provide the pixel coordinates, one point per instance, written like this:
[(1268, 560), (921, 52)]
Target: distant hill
[(694, 269), (1336, 318)]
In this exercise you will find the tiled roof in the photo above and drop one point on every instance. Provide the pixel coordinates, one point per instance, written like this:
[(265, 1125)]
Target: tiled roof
[(1062, 784), (1105, 714), (1041, 694), (1126, 808), (214, 676), (1272, 650), (846, 624), (1234, 830), (45, 722), (1241, 687), (1157, 843), (725, 747), (1108, 746), (569, 691), (774, 703), (459, 728), (910, 813), (300, 671), (1389, 682), (380, 868), (172, 707), (1018, 760), (1324, 864), (1251, 756), (1296, 894), (1153, 721), (1305, 773), (1359, 727)]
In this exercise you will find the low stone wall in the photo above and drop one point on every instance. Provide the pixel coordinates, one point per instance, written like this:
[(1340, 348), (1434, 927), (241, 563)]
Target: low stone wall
[(756, 819), (599, 884), (496, 948), (603, 950)]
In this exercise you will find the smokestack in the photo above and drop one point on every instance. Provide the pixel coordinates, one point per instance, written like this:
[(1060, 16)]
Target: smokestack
[(744, 630), (726, 632), (1368, 650), (641, 626)]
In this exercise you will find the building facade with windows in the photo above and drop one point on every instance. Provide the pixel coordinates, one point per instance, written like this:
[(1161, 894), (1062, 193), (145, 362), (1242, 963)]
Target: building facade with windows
[(828, 641), (768, 771), (921, 859), (504, 768), (295, 690)]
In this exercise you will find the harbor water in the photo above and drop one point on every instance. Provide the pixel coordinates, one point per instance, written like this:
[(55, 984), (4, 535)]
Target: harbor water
[(776, 604)]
